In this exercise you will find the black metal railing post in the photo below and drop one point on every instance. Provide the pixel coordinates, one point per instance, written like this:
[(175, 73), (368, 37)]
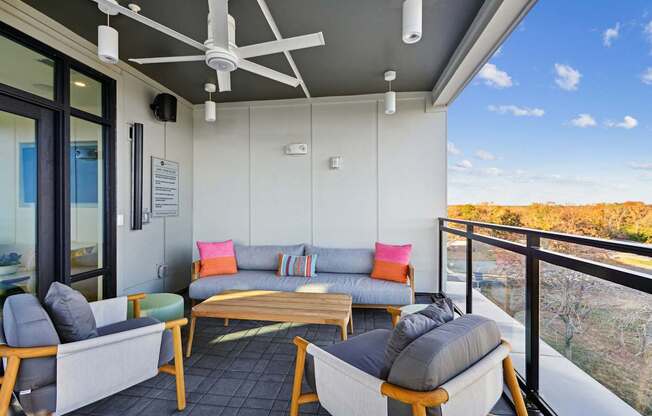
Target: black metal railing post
[(533, 243), (469, 268), (440, 276)]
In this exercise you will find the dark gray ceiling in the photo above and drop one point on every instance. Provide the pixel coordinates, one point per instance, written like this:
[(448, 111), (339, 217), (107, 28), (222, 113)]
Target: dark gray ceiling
[(363, 39)]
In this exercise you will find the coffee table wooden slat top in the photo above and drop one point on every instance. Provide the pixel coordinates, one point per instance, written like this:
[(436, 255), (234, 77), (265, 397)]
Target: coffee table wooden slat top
[(264, 305)]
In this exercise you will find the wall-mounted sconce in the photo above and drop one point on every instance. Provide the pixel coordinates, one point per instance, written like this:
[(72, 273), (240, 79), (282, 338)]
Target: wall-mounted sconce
[(336, 162)]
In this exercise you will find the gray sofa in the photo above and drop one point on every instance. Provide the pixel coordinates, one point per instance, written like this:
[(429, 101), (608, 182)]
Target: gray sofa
[(339, 270)]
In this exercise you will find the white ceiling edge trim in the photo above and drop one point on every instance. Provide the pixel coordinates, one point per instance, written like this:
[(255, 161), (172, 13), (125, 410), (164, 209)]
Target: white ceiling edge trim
[(43, 28), (277, 34), (502, 24), (336, 99)]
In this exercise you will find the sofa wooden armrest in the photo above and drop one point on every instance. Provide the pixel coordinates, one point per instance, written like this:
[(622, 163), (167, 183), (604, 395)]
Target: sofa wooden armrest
[(194, 270)]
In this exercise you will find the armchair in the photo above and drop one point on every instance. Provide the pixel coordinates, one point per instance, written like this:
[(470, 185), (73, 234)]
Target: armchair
[(59, 378)]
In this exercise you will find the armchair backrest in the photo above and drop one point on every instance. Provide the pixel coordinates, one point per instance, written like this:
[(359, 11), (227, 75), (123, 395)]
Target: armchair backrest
[(25, 323)]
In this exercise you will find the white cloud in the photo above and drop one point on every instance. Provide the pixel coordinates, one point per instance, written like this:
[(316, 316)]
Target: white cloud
[(568, 77), (517, 111), (493, 171), (610, 34), (648, 31), (640, 166), (484, 155), (647, 76), (452, 149), (628, 122), (494, 77), (584, 120), (464, 164)]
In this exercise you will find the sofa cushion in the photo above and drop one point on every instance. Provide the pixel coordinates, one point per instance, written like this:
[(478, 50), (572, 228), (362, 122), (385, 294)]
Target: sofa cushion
[(302, 266), (70, 312), (216, 258), (42, 399), (343, 260), (443, 353), (364, 352), (263, 257), (166, 353), (26, 324), (362, 288)]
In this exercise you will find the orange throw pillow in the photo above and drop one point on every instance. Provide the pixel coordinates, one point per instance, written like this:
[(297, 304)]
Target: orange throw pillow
[(391, 262), (217, 258)]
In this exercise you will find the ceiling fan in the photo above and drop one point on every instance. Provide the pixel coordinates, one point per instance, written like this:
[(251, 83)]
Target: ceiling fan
[(220, 50)]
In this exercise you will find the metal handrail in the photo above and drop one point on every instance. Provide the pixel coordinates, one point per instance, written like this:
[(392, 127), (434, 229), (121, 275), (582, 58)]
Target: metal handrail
[(534, 254)]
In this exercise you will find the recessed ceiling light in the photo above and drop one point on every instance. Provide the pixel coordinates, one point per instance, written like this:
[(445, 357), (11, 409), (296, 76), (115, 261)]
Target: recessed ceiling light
[(79, 84)]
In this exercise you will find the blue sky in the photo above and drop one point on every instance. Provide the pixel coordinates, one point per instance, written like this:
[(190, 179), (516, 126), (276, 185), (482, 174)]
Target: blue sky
[(562, 112)]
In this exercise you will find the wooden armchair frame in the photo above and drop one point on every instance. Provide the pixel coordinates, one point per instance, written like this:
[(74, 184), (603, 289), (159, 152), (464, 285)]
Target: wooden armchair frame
[(418, 400), (15, 355)]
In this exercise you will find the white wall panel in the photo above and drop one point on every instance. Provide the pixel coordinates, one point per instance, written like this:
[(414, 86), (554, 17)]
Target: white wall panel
[(345, 200), (281, 184)]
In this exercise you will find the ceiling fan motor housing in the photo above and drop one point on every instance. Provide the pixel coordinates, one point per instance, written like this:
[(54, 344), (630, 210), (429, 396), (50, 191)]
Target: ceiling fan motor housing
[(218, 58)]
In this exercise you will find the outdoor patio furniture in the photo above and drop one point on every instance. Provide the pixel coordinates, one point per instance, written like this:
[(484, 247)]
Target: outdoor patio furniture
[(262, 305), (162, 306), (338, 271), (456, 369), (51, 376)]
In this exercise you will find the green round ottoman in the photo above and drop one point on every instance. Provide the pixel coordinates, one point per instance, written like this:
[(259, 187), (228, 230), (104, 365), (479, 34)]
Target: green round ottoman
[(162, 306)]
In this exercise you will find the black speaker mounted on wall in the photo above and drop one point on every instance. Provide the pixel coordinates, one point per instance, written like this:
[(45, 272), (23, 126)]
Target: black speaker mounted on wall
[(165, 107)]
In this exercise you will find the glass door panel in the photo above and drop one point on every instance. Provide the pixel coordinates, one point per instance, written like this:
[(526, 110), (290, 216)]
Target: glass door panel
[(86, 196), (18, 199)]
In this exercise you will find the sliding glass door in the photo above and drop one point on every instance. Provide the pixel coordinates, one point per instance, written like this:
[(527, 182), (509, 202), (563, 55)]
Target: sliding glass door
[(27, 231)]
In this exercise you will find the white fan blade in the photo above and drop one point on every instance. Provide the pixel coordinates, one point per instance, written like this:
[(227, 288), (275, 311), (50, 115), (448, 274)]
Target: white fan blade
[(224, 81), (283, 45), (267, 73), (154, 25), (219, 13), (168, 59)]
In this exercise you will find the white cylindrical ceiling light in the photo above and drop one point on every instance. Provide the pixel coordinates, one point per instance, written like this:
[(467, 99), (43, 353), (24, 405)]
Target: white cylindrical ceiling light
[(107, 44), (390, 102), (210, 111), (412, 18), (210, 108)]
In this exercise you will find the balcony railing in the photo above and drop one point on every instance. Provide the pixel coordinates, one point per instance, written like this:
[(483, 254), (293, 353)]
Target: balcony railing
[(565, 268)]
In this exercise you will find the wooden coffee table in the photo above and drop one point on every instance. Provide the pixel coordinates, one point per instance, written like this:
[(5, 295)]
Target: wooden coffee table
[(266, 305)]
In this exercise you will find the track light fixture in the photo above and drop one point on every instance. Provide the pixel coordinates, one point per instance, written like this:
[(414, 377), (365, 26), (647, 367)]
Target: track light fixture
[(390, 96), (210, 110)]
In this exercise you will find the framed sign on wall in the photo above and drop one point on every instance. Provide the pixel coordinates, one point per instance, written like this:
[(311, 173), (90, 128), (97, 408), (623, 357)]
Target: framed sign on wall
[(165, 188)]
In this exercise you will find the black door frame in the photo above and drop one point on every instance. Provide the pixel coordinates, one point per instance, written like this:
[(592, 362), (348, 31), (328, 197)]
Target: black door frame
[(59, 198)]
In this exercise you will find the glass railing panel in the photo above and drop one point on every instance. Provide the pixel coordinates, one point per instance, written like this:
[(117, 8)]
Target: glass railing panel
[(455, 269), (499, 294), (605, 331)]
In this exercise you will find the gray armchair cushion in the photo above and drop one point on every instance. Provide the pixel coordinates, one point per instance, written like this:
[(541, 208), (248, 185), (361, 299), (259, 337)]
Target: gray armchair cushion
[(167, 348), (365, 352), (441, 311), (444, 352), (263, 257), (408, 329), (27, 324), (71, 313), (343, 260)]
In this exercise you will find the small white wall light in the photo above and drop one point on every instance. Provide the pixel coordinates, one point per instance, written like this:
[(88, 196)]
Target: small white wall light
[(390, 96), (336, 162), (107, 37), (412, 12), (210, 109)]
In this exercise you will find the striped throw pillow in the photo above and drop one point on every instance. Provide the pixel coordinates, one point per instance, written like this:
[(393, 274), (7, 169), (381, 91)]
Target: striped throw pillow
[(296, 265)]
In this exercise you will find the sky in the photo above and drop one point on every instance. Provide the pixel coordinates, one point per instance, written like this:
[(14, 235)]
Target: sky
[(562, 112)]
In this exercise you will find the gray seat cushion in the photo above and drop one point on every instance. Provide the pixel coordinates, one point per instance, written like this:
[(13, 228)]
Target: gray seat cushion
[(71, 313), (39, 400), (343, 260), (443, 353), (362, 288), (166, 353), (263, 257), (27, 324), (364, 352)]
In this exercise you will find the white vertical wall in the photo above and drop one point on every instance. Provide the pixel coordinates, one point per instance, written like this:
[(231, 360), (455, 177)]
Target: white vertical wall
[(162, 241), (391, 188)]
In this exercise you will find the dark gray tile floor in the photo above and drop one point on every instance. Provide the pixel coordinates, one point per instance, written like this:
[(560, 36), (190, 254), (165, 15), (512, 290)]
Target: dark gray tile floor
[(245, 369)]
